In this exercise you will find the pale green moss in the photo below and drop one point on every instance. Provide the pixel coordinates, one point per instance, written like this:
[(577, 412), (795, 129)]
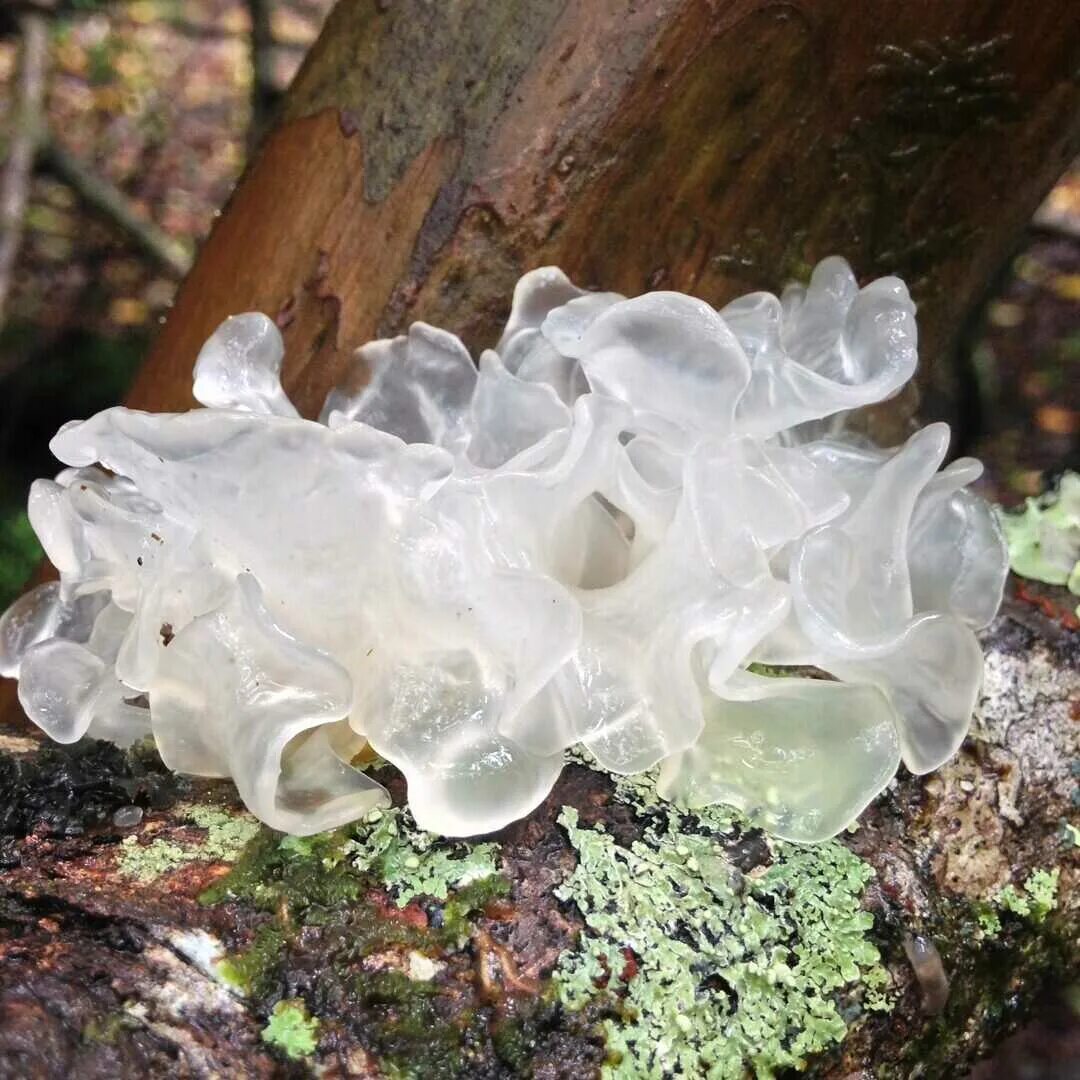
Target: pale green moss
[(292, 1030), (414, 863), (226, 835), (252, 970), (1044, 538), (725, 973)]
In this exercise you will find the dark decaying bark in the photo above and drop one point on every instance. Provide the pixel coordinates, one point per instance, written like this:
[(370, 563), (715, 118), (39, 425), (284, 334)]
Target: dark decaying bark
[(429, 153)]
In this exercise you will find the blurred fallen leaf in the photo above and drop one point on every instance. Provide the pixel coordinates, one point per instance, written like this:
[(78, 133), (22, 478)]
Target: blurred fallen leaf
[(128, 311)]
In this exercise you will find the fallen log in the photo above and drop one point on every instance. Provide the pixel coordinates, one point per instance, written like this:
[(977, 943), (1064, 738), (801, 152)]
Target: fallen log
[(169, 946)]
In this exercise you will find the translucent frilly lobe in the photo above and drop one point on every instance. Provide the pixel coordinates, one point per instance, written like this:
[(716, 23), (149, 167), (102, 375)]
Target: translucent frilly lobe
[(593, 537)]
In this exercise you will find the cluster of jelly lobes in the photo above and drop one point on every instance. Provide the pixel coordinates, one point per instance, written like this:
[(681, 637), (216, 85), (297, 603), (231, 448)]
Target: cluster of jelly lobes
[(597, 537)]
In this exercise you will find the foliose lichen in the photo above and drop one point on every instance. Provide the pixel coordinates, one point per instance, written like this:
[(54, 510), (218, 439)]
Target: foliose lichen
[(412, 862), (1038, 898), (291, 1029), (1044, 538), (1033, 901), (988, 919), (713, 972), (226, 836), (147, 862)]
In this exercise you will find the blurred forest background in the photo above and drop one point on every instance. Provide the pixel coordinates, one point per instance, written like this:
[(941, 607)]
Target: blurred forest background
[(124, 128), (138, 118)]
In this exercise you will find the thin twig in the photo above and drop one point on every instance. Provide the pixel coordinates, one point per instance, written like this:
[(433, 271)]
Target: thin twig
[(264, 91), (26, 135), (111, 203)]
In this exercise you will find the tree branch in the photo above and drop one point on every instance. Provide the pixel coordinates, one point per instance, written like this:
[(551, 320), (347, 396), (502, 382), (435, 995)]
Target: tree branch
[(29, 125), (111, 203)]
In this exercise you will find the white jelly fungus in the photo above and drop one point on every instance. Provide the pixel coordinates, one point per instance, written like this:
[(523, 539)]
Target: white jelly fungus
[(596, 536)]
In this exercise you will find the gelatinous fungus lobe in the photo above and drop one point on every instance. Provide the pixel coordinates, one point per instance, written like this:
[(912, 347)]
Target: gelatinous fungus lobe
[(601, 535)]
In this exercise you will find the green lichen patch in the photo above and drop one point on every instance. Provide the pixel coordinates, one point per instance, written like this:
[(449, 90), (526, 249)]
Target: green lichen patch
[(1037, 898), (309, 875), (1033, 902), (988, 920), (226, 836), (1044, 538), (712, 972), (291, 1030), (415, 863), (147, 862)]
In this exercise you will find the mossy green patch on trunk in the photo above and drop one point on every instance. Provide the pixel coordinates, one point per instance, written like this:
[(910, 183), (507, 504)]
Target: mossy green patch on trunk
[(320, 889), (252, 970), (1001, 962)]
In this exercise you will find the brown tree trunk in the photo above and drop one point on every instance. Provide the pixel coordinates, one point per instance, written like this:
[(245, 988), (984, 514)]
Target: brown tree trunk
[(429, 153)]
